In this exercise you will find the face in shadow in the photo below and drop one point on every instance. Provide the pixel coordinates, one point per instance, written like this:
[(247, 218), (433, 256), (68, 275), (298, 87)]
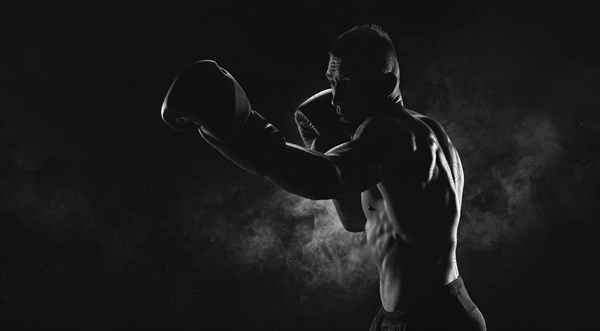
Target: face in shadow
[(359, 91)]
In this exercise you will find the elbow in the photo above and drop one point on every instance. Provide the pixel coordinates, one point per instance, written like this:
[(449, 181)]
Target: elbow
[(356, 224), (353, 226)]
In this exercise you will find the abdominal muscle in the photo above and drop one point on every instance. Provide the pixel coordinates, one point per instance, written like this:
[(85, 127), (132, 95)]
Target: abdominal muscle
[(409, 271)]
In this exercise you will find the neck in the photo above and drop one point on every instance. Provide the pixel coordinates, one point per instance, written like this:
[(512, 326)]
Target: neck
[(391, 105), (391, 102), (396, 97)]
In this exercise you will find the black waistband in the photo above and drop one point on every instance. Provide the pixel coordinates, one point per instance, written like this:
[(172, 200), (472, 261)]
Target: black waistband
[(454, 288)]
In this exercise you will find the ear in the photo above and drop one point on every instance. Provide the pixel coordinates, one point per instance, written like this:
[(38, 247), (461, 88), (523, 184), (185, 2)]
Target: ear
[(389, 82)]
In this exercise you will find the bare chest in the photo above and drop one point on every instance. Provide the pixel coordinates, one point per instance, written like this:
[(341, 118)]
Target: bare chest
[(372, 202), (379, 229)]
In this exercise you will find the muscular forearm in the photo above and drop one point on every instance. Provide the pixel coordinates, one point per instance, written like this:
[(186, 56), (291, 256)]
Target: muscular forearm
[(307, 173)]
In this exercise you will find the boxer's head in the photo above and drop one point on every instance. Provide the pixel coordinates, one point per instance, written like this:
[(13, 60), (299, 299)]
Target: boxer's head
[(363, 72)]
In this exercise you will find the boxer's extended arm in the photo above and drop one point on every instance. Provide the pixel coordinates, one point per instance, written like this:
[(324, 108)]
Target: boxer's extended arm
[(347, 169), (247, 139)]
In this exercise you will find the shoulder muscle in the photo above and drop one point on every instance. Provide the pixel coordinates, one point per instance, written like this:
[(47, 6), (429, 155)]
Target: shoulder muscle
[(388, 132)]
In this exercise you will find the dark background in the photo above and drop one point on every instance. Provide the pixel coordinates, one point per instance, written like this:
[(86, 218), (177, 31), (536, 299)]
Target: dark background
[(112, 221)]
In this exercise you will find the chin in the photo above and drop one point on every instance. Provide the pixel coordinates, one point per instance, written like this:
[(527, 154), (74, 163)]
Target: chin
[(349, 118), (350, 127), (345, 120), (349, 131)]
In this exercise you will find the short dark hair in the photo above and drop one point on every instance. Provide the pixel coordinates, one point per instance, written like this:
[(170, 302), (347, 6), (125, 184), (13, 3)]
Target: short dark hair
[(371, 43)]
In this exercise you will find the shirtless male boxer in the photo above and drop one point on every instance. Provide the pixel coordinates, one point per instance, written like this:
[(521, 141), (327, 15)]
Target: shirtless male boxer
[(390, 171)]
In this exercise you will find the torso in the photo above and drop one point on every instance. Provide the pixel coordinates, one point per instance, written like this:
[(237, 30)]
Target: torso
[(412, 217)]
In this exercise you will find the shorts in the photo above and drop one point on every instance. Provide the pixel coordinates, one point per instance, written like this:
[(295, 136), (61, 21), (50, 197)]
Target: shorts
[(451, 308)]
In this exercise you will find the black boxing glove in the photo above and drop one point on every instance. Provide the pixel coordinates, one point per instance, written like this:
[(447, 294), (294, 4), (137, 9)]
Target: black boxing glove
[(206, 98), (204, 94), (319, 125)]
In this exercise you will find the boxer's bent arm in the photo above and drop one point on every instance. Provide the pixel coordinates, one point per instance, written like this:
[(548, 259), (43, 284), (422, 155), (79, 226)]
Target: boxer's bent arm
[(349, 209), (306, 173), (347, 169)]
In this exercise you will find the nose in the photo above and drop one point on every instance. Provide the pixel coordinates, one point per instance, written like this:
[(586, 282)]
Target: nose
[(333, 100), (336, 97)]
